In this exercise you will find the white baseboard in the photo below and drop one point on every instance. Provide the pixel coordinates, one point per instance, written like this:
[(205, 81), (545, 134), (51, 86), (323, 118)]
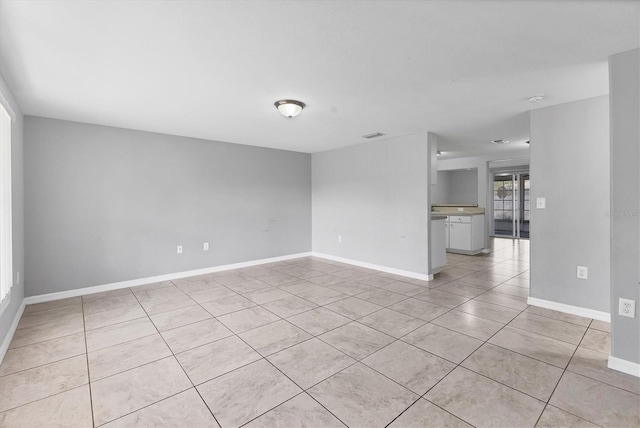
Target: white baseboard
[(624, 366), (373, 266), (4, 347), (150, 280), (569, 309), (486, 251)]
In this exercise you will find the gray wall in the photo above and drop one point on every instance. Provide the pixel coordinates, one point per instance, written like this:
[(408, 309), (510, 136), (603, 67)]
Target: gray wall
[(106, 204), (376, 196), (464, 187), (570, 168), (624, 74), (442, 189), (17, 214)]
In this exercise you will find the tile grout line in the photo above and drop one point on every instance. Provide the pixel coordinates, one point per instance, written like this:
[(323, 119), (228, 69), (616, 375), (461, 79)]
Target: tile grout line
[(86, 350)]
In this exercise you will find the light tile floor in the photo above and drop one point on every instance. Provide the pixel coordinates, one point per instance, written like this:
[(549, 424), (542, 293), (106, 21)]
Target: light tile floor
[(310, 342)]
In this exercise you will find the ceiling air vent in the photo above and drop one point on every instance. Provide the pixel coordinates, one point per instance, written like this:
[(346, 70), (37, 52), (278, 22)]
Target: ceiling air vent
[(500, 141), (374, 135)]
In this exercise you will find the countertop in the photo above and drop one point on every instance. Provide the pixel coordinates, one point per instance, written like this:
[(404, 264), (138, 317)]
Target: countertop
[(437, 216), (450, 213)]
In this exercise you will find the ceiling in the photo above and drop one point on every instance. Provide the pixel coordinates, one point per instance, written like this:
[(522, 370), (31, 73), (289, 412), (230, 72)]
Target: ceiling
[(213, 69)]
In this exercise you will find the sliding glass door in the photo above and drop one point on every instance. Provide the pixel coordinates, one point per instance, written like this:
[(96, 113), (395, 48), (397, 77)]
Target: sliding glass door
[(511, 204)]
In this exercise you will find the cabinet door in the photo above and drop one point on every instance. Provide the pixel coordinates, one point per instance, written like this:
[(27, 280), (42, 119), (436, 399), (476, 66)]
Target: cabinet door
[(460, 236)]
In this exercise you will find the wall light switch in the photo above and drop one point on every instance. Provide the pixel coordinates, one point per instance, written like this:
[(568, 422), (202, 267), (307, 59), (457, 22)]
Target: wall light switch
[(205, 247), (179, 249), (339, 238), (541, 203)]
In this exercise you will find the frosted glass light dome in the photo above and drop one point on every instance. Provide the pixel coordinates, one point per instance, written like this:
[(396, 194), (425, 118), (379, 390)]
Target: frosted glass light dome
[(289, 108)]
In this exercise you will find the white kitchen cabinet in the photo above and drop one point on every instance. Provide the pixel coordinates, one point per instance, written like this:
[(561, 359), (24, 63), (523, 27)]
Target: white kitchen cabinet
[(465, 234)]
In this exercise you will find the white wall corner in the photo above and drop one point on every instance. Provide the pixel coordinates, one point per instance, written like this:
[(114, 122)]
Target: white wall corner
[(624, 366), (569, 309), (4, 347)]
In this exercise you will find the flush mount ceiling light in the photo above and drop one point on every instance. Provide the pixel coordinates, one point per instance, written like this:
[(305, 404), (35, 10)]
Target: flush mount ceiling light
[(289, 108), (500, 141), (536, 98)]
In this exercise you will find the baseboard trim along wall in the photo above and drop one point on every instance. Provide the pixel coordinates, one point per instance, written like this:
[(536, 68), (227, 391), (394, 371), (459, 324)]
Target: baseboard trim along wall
[(4, 347), (624, 366), (373, 266), (150, 280), (569, 309)]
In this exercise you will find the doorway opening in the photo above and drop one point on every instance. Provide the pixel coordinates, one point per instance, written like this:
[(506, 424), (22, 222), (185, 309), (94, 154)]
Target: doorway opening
[(511, 204)]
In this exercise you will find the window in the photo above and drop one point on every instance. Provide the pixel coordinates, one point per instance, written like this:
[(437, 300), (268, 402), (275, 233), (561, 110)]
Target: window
[(6, 243)]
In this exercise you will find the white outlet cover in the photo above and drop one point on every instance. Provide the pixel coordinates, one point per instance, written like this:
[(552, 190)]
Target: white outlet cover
[(627, 308), (541, 203), (339, 238), (179, 249), (205, 247), (582, 272)]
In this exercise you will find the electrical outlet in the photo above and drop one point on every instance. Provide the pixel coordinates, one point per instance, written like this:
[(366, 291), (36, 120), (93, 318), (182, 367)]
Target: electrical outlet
[(205, 247), (582, 272), (627, 308), (339, 238), (179, 249)]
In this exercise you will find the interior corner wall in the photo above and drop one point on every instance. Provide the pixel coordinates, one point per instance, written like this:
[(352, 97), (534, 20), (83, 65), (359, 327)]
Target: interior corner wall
[(106, 204), (17, 214), (570, 168), (375, 197), (624, 75)]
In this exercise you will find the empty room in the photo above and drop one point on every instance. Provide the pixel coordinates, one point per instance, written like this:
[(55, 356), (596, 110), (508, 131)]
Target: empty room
[(319, 213)]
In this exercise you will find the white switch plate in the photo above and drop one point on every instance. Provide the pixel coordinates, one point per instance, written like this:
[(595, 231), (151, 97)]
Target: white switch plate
[(205, 247), (627, 308), (179, 249), (582, 272), (541, 203), (339, 238)]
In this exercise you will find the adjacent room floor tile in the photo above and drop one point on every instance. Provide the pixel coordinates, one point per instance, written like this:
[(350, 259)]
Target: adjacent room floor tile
[(289, 306), (600, 325), (426, 414), (351, 287), (318, 321), (420, 309), (411, 367), (443, 342), (124, 356), (483, 402), (266, 295), (381, 297), (441, 298), (67, 409), (189, 336), (185, 409), (114, 334), (356, 340), (549, 327), (39, 354), (125, 392), (361, 397), (179, 317), (594, 364), (489, 311), (596, 402), (51, 330), (211, 294), (525, 374), (353, 307), (217, 358), (40, 382), (37, 307), (322, 295), (248, 319), (240, 396), (533, 345), (552, 417), (310, 362), (274, 337), (108, 303), (468, 324), (404, 288), (391, 322), (300, 411), (597, 340), (113, 316), (227, 305), (512, 302)]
